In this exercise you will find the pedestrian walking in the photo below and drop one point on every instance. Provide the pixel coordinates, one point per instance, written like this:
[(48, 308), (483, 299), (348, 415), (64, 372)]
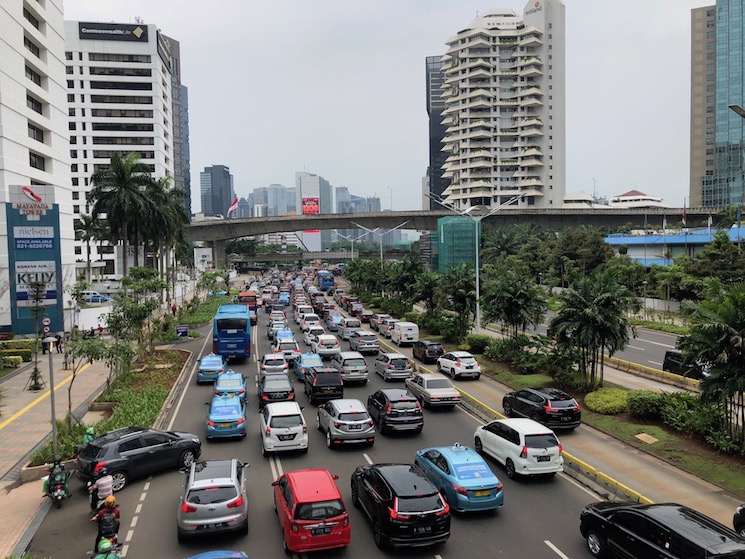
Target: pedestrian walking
[(100, 331), (174, 309), (58, 343)]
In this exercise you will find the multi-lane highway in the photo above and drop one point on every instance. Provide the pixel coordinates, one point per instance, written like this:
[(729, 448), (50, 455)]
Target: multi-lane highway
[(539, 519)]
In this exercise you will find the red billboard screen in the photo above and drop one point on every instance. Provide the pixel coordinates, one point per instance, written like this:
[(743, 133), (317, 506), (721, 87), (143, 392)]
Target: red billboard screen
[(310, 207)]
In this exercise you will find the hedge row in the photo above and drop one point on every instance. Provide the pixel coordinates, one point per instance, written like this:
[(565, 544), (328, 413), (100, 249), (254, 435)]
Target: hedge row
[(24, 354), (18, 344)]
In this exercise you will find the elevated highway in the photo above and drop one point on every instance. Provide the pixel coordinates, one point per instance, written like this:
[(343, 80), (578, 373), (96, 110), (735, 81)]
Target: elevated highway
[(328, 256)]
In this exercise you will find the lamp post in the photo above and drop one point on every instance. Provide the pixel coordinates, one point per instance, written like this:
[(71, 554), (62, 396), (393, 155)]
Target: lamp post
[(50, 340), (351, 240), (477, 219), (376, 230)]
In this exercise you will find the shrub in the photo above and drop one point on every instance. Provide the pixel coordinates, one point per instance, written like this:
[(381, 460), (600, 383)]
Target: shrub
[(24, 354), (11, 361), (528, 362), (202, 312), (644, 404), (499, 350), (376, 302), (395, 306), (18, 344), (413, 316), (67, 439), (685, 412), (477, 342), (607, 401)]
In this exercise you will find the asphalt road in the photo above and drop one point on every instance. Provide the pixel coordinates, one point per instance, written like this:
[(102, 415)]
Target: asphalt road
[(539, 519)]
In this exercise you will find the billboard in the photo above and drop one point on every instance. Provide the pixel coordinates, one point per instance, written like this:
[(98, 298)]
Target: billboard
[(112, 31), (203, 259), (311, 207)]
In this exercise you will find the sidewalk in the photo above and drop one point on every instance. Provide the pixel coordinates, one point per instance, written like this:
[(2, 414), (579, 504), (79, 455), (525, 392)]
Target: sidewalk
[(24, 424)]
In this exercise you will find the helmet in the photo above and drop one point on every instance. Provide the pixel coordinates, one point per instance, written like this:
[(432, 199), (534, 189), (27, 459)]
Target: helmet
[(109, 502), (103, 472), (57, 459), (104, 546), (90, 431)]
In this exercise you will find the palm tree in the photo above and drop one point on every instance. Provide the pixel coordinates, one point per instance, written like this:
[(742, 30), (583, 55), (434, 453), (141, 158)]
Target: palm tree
[(426, 288), (592, 319), (514, 300), (458, 288), (119, 192), (86, 229)]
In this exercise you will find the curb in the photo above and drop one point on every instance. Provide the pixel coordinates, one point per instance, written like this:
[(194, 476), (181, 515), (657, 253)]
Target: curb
[(160, 421)]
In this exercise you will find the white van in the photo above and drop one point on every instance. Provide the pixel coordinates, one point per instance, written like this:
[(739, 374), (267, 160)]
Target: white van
[(405, 333)]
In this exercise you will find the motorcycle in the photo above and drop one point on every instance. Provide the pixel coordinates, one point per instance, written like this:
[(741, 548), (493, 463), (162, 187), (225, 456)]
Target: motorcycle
[(116, 549), (57, 493), (93, 496)]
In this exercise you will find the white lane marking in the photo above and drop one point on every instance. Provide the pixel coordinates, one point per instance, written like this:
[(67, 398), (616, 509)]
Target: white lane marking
[(280, 471), (668, 346), (438, 556), (635, 347), (656, 363), (134, 522), (142, 497), (147, 486), (187, 383), (584, 488), (273, 467), (366, 457), (125, 548), (138, 509), (555, 549), (129, 536)]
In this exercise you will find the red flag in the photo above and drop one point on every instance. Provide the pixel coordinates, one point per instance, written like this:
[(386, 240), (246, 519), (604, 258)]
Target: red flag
[(233, 206)]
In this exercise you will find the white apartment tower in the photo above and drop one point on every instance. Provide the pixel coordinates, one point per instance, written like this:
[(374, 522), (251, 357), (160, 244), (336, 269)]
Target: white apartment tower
[(34, 160), (119, 102), (505, 115)]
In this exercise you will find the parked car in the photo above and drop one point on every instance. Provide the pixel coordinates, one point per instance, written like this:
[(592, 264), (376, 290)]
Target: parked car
[(345, 421), (273, 364), (230, 383), (134, 452), (347, 326), (377, 319), (311, 333), (427, 351), (462, 476), (405, 509), (738, 520), (323, 384), (214, 499), (364, 342), (325, 345), (226, 417), (311, 511), (550, 406), (351, 365), (522, 446), (282, 427), (433, 390), (392, 366), (405, 333), (305, 362), (395, 409), (274, 388), (459, 364), (665, 530), (210, 366), (98, 298)]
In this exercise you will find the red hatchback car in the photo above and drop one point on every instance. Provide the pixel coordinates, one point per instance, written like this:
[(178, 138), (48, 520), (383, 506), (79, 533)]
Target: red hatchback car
[(311, 511)]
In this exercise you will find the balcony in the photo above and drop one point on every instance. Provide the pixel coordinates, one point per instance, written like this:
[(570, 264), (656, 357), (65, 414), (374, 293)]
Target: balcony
[(531, 101), (532, 131), (531, 71), (530, 40)]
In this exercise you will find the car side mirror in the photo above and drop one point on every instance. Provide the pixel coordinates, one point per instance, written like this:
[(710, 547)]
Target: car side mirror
[(335, 477), (275, 483), (245, 465), (206, 403), (183, 470)]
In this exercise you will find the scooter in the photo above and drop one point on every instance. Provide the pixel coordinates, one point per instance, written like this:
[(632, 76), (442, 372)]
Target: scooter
[(57, 493), (116, 550), (93, 496)]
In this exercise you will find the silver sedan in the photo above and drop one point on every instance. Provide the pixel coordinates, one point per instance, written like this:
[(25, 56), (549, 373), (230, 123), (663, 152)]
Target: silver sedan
[(433, 390)]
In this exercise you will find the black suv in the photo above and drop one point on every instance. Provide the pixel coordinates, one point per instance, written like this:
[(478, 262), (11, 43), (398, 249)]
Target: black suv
[(405, 508), (552, 407), (395, 409), (664, 530), (134, 452), (428, 351), (323, 384), (673, 363)]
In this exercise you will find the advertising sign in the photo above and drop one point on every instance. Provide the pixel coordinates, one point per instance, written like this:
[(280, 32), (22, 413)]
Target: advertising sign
[(182, 331), (310, 207), (112, 32), (203, 259)]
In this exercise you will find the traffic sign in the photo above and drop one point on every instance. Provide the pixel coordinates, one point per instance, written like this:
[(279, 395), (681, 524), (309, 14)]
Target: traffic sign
[(46, 329), (46, 321)]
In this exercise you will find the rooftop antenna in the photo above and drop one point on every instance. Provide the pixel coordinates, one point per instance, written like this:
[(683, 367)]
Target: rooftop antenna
[(594, 188), (139, 20)]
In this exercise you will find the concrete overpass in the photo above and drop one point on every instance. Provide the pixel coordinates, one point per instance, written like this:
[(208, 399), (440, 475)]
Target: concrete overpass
[(330, 256), (216, 232)]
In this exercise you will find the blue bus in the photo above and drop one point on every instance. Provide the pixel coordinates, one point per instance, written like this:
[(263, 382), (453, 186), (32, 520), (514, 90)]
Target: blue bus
[(231, 332), (325, 280)]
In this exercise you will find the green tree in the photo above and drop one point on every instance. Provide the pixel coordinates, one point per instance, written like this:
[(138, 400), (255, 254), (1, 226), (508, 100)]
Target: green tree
[(720, 259), (427, 289), (514, 300), (592, 319), (458, 289)]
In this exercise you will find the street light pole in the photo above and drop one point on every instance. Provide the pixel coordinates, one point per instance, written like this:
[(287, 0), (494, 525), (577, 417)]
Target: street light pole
[(49, 340), (351, 240)]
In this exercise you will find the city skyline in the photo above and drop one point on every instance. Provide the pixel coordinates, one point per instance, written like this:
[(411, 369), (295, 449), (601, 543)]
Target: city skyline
[(318, 102)]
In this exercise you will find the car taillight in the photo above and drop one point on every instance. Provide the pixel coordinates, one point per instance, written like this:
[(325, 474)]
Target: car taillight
[(500, 486), (445, 510), (264, 397), (460, 490), (390, 366), (336, 424), (263, 367), (210, 423), (285, 366), (291, 394), (305, 428), (371, 422), (268, 431), (293, 526), (237, 503), (577, 408), (216, 391), (548, 408), (524, 452), (561, 448), (389, 408), (346, 520), (418, 405), (240, 421), (186, 507), (396, 515), (477, 363), (242, 391)]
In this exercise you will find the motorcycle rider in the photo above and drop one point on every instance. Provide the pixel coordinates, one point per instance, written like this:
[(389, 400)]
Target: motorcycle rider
[(90, 434), (106, 551), (102, 487), (108, 520), (57, 475)]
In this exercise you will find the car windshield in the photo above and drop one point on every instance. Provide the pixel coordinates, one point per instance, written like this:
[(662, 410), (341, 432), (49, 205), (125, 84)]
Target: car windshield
[(400, 362), (222, 409), (563, 404), (288, 345), (433, 347), (367, 338), (286, 421), (310, 361), (277, 384), (545, 440), (354, 362), (328, 378), (230, 383), (311, 318), (439, 383), (352, 324), (466, 359), (408, 405), (353, 416), (421, 503), (321, 510), (211, 495), (274, 362), (90, 452), (231, 324)]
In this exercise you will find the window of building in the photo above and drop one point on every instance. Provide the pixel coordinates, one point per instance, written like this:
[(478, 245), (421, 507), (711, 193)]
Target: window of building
[(709, 162), (76, 209), (709, 130), (111, 57), (34, 104), (73, 140), (78, 250), (36, 161), (128, 85), (711, 56), (75, 195), (30, 18), (70, 97), (82, 98), (710, 34), (35, 133), (709, 141), (68, 56), (71, 111), (31, 47), (71, 126), (74, 153), (70, 84), (710, 99), (33, 76), (710, 88), (709, 152), (711, 24), (68, 70), (710, 77), (710, 45)]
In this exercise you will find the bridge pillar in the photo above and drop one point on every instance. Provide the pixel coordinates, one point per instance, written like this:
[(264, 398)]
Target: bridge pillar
[(219, 258)]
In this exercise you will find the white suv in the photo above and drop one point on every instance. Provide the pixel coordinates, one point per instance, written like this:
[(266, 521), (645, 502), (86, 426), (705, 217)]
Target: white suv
[(283, 428), (325, 345), (459, 364), (523, 446)]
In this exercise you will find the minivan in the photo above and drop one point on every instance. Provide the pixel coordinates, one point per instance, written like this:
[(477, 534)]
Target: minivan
[(351, 365), (405, 333)]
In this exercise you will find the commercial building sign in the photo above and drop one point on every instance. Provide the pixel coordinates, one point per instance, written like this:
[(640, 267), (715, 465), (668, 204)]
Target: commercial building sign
[(113, 32), (31, 237), (30, 274), (311, 207), (536, 8)]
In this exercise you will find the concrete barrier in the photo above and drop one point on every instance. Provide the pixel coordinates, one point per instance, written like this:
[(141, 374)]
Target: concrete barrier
[(654, 374)]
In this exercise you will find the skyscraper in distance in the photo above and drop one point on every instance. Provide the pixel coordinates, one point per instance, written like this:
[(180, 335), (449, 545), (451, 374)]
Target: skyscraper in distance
[(435, 106), (505, 108), (217, 190)]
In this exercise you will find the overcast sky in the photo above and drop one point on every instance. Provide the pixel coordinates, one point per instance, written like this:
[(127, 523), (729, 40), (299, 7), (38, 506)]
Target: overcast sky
[(337, 88)]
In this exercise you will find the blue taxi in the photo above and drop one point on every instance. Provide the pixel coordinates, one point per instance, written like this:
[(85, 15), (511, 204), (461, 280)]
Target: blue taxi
[(306, 361), (462, 476), (210, 366), (231, 383), (226, 417)]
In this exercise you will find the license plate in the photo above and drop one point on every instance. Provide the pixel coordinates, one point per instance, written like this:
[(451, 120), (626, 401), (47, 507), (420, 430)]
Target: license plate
[(484, 493), (355, 427), (212, 526), (422, 529), (231, 394), (225, 424), (321, 531), (286, 437), (543, 458), (469, 366), (565, 418), (232, 346)]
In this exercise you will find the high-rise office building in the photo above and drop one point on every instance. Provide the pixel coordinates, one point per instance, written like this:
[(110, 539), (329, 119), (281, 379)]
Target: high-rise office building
[(37, 233), (244, 208), (180, 108), (435, 106), (505, 108), (717, 101), (216, 185), (314, 195), (276, 200), (119, 102)]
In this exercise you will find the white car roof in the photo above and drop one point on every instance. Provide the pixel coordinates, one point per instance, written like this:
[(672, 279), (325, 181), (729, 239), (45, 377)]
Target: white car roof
[(283, 408), (526, 426), (326, 337), (461, 354)]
